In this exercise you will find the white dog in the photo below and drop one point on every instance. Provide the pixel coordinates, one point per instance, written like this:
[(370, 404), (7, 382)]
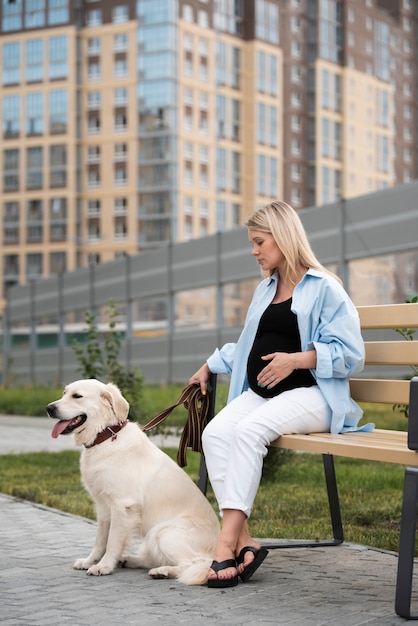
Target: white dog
[(137, 489)]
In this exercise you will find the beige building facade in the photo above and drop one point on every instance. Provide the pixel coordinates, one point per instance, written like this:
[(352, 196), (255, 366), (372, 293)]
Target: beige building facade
[(128, 125)]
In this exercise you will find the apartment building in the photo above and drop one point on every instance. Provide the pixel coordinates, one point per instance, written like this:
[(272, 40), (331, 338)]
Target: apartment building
[(129, 124)]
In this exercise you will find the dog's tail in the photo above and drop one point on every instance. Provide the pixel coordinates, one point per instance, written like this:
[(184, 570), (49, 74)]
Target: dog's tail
[(196, 573)]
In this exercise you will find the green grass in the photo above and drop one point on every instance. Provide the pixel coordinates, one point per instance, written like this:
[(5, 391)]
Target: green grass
[(291, 501)]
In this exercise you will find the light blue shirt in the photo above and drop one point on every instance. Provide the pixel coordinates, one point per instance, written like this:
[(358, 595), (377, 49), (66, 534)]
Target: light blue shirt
[(328, 322)]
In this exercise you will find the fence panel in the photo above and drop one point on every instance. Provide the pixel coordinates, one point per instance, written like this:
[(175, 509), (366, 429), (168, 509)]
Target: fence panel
[(381, 223)]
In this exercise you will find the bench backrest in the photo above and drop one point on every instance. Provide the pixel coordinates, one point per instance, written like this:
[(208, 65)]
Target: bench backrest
[(395, 351)]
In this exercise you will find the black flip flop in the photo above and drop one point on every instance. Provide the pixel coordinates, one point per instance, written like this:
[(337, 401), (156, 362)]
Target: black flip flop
[(259, 556), (220, 583)]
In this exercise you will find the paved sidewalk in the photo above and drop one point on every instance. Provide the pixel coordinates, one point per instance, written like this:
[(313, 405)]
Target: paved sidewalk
[(348, 585)]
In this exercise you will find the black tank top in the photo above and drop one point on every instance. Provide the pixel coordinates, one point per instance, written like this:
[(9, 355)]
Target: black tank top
[(277, 332)]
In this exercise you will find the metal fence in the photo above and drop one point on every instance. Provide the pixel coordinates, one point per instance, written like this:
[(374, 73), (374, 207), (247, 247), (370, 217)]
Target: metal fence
[(376, 225)]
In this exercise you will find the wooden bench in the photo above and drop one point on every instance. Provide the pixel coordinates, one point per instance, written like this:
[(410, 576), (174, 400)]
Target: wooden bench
[(379, 445)]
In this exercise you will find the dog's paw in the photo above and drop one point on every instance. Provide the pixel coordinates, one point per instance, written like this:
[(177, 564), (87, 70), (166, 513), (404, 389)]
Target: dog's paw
[(159, 572), (99, 570), (82, 564)]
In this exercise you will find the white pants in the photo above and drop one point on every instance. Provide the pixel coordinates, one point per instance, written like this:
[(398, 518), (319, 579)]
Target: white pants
[(235, 441)]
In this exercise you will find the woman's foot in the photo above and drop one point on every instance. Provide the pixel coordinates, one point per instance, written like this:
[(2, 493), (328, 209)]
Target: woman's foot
[(223, 574), (249, 560)]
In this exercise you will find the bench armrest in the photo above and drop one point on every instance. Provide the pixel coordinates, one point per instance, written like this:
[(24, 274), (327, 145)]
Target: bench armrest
[(413, 415)]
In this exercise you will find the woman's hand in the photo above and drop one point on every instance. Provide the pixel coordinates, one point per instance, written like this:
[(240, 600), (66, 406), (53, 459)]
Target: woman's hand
[(280, 366), (201, 378)]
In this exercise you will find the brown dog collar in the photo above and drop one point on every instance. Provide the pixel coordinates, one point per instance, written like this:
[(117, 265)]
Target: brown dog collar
[(110, 431)]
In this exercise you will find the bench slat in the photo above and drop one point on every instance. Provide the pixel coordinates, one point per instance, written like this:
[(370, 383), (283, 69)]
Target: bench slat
[(391, 352), (389, 316), (380, 390), (379, 445)]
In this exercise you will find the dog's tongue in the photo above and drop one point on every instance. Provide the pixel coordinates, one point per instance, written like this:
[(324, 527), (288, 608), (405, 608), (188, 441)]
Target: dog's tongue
[(59, 427)]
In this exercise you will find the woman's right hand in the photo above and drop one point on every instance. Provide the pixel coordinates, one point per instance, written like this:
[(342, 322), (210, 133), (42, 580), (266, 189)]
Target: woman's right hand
[(201, 378)]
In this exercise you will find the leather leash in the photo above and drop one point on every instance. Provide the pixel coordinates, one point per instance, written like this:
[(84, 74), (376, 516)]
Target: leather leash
[(197, 406)]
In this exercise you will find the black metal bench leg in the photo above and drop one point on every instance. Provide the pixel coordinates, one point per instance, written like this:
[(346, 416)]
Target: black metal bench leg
[(335, 513), (333, 499), (407, 544)]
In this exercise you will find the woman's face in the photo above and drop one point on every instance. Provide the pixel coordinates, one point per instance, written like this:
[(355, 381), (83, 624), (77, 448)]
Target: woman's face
[(265, 249)]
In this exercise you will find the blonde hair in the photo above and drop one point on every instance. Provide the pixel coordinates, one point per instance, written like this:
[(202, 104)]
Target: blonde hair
[(282, 221)]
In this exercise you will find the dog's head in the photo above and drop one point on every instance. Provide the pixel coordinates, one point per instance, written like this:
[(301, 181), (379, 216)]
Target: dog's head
[(86, 408)]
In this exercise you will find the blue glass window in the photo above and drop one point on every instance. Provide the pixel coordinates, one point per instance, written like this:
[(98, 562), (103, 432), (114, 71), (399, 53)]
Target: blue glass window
[(156, 38), (11, 116), (34, 13), (58, 111), (34, 113), (150, 11), (11, 63), (58, 12), (58, 55), (12, 15), (34, 60)]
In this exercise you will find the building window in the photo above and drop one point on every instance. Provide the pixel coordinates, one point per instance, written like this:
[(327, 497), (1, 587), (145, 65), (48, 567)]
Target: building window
[(58, 57), (188, 13), (220, 215), (58, 12), (93, 178), (11, 269), (33, 266), (228, 17), (121, 152), (121, 227), (121, 122), (58, 219), (11, 116), (93, 46), (34, 168), (94, 18), (94, 208), (121, 176), (58, 111), (331, 30), (11, 170), (267, 21), (120, 42), (94, 71), (35, 14), (11, 63), (35, 113), (34, 60), (188, 205), (93, 125), (94, 99), (34, 221), (120, 14), (12, 15), (382, 50), (93, 154), (120, 206), (11, 223), (57, 262), (121, 68), (58, 165), (120, 96), (220, 169), (93, 230)]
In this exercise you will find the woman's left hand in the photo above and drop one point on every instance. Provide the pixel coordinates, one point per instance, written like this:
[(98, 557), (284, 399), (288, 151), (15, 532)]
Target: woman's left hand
[(280, 366)]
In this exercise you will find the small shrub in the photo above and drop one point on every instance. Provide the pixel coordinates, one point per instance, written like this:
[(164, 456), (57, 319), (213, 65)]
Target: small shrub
[(100, 360)]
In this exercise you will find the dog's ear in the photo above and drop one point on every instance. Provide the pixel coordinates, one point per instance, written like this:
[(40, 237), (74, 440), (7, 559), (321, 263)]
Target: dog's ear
[(116, 400)]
